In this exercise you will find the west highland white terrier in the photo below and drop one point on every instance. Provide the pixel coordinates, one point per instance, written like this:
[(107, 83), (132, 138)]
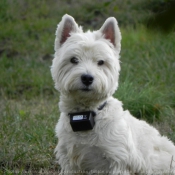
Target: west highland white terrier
[(96, 136)]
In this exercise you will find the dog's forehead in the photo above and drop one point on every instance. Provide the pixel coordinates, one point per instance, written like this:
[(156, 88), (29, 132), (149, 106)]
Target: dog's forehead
[(88, 41), (82, 38), (95, 50)]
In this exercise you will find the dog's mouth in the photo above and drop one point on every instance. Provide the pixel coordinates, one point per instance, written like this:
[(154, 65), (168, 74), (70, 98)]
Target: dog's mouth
[(86, 89)]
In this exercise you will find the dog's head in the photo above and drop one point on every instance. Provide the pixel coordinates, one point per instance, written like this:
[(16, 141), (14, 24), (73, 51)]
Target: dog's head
[(86, 65)]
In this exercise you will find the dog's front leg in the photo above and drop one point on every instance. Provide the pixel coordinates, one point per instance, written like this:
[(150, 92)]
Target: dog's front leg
[(63, 160), (117, 169), (116, 142)]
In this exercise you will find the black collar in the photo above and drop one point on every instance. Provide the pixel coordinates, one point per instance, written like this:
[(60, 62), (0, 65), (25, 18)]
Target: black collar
[(82, 121), (93, 112), (102, 106)]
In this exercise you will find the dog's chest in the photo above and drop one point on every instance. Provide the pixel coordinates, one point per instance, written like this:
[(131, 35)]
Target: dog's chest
[(89, 158)]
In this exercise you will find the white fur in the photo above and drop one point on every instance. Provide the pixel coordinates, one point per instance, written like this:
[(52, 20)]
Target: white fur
[(118, 143)]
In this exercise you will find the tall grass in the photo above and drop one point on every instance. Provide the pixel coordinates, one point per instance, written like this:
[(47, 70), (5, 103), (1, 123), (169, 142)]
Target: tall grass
[(28, 101), (147, 73)]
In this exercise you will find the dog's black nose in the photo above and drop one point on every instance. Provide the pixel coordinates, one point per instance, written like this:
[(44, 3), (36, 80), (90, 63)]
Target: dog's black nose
[(87, 79)]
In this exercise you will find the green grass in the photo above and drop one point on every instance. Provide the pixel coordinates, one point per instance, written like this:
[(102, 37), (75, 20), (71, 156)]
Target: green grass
[(147, 73), (28, 101), (25, 77), (27, 134)]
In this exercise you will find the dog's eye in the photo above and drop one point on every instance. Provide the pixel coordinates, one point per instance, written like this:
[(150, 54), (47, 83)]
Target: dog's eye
[(101, 62), (74, 60)]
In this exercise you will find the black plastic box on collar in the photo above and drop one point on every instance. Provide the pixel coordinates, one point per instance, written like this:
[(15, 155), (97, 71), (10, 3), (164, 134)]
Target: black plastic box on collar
[(82, 121)]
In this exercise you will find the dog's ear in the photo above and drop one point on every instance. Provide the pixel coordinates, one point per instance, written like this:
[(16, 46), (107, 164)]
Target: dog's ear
[(64, 29), (111, 32)]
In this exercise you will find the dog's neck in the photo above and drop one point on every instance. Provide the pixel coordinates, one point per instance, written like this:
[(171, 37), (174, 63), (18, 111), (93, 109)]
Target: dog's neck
[(73, 105)]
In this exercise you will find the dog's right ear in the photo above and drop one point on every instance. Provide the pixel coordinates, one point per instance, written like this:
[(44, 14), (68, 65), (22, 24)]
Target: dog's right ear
[(64, 30)]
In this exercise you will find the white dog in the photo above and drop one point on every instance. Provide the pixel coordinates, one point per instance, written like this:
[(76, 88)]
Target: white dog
[(85, 70)]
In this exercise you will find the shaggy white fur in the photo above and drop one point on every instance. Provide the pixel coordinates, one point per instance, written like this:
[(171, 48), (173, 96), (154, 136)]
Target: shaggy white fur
[(118, 143)]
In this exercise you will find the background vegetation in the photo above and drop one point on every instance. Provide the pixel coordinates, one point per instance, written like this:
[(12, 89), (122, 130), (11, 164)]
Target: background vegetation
[(28, 101)]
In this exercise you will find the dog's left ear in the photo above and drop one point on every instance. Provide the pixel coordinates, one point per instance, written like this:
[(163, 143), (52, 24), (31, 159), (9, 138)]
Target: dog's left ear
[(111, 32), (64, 30)]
